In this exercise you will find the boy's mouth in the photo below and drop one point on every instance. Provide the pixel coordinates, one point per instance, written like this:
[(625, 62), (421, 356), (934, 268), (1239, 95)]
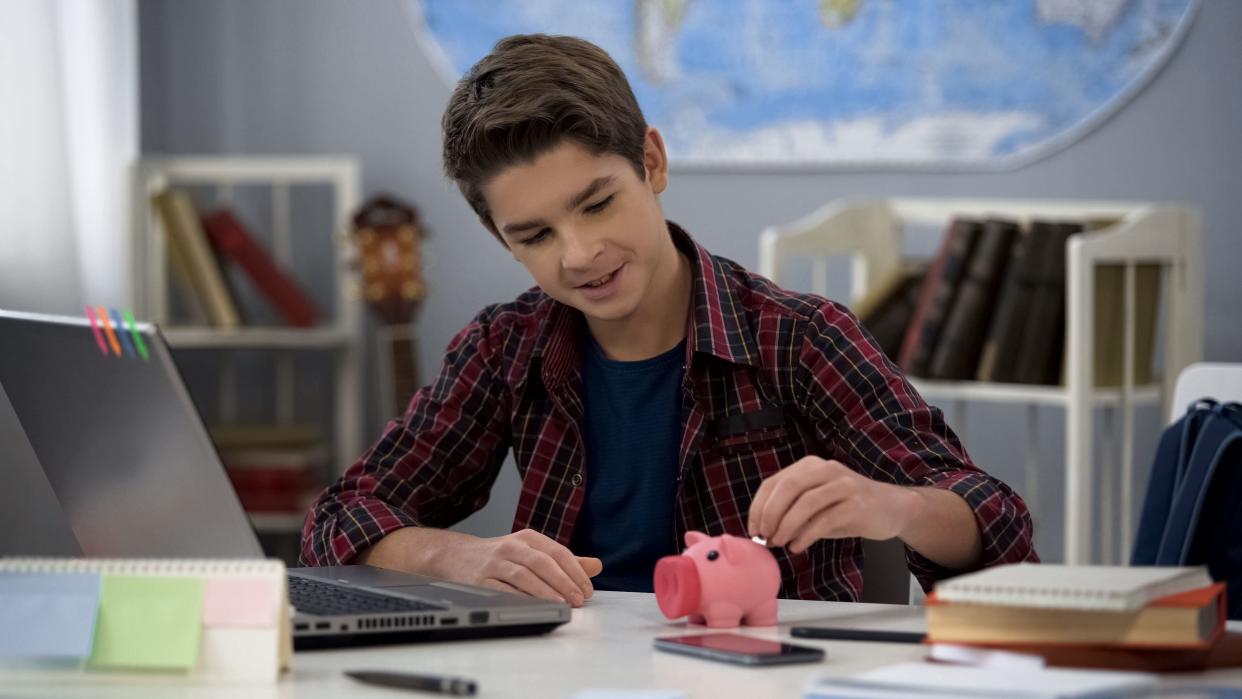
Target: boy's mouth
[(599, 281), (603, 287)]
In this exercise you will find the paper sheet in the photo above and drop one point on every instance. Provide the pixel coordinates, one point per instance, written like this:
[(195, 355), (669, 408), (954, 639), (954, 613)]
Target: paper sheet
[(47, 615), (148, 622)]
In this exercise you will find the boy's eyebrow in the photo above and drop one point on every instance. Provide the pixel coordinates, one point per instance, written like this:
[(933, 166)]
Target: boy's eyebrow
[(574, 202)]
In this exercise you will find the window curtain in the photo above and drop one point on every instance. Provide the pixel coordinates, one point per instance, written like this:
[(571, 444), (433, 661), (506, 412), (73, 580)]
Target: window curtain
[(68, 138)]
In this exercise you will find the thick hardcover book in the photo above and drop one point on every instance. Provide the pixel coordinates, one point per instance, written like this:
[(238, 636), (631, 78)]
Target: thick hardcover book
[(1192, 619), (961, 342), (191, 304), (1225, 652), (888, 314), (232, 240), (1002, 348), (185, 235), (936, 296), (1043, 341)]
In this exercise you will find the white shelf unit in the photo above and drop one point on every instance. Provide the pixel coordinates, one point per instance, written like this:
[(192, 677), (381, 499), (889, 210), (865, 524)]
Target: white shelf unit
[(276, 523), (870, 232), (341, 334)]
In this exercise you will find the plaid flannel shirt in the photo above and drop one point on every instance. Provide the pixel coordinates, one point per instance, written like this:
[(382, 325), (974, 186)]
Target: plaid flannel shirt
[(771, 376)]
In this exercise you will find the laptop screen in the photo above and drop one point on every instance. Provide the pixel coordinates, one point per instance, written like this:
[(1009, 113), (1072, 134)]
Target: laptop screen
[(119, 441), (32, 522)]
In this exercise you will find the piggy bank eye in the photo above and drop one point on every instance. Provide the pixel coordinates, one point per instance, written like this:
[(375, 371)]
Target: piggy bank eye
[(713, 555)]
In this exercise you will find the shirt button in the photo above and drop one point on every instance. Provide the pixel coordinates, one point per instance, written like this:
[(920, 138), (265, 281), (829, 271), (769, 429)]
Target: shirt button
[(576, 480)]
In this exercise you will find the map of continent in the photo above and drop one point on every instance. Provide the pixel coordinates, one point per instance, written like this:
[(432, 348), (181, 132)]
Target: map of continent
[(848, 83)]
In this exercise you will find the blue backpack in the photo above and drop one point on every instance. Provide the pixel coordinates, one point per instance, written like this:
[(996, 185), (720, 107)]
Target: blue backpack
[(1192, 514)]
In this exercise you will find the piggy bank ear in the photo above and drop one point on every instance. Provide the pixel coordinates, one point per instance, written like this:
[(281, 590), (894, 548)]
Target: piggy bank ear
[(693, 538), (730, 548)]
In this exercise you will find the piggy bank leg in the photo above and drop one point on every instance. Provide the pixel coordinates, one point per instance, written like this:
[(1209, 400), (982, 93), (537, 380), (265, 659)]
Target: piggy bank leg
[(763, 615), (723, 616), (698, 619)]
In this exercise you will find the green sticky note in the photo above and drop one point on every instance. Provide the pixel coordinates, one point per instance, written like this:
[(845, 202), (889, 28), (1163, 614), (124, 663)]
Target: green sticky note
[(148, 623)]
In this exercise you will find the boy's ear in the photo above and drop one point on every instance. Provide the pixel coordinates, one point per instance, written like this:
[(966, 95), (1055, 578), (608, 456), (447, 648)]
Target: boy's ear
[(655, 159)]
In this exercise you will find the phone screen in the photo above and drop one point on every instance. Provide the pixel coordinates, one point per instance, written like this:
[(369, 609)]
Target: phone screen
[(736, 648)]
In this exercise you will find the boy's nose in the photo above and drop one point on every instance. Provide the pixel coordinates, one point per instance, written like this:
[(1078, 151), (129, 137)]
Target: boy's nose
[(580, 252)]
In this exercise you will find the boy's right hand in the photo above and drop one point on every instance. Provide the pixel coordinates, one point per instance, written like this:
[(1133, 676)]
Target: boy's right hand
[(526, 561)]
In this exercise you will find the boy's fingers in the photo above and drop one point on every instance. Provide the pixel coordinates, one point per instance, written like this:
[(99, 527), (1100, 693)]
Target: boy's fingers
[(592, 566), (569, 563)]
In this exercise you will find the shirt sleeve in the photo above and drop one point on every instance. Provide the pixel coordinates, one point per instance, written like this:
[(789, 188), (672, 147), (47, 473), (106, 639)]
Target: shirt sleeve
[(433, 467), (883, 428)]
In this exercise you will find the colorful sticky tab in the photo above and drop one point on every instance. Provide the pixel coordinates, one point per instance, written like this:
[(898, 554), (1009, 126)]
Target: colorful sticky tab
[(133, 331), (149, 622), (120, 332), (239, 602), (99, 339), (107, 327), (47, 615)]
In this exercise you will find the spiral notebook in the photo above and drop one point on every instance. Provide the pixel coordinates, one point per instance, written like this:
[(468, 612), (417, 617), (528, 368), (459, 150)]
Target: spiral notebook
[(1043, 585), (207, 620)]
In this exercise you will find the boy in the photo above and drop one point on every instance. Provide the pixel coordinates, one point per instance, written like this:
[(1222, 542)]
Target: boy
[(646, 387)]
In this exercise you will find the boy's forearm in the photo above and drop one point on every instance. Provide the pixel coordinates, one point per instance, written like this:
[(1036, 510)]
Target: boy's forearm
[(412, 549), (942, 528)]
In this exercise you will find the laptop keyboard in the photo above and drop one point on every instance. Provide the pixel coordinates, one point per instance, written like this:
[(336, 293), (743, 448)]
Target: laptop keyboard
[(328, 599)]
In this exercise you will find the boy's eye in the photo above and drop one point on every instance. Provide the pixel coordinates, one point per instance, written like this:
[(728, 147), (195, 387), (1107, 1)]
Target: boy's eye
[(599, 206), (538, 237)]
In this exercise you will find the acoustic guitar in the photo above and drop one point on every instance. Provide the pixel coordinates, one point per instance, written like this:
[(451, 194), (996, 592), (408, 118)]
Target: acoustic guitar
[(388, 235)]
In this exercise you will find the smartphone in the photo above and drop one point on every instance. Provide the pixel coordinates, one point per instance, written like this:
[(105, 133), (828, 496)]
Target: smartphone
[(739, 650)]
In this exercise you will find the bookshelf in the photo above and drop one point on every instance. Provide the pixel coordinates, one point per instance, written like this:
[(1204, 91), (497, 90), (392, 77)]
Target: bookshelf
[(871, 234), (339, 335)]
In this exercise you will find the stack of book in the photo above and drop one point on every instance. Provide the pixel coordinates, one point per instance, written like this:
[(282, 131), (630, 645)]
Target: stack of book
[(276, 468), (211, 255), (990, 306), (1150, 618)]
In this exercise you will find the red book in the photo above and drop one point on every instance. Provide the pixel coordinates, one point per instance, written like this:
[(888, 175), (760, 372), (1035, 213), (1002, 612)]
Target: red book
[(231, 240)]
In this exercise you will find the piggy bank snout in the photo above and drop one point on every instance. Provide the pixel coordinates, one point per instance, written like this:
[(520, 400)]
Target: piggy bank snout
[(677, 586)]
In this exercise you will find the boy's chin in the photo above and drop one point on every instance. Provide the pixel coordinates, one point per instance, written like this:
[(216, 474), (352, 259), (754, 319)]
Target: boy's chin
[(602, 311)]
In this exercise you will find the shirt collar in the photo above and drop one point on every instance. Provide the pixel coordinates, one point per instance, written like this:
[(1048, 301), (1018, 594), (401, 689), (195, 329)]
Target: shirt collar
[(717, 325)]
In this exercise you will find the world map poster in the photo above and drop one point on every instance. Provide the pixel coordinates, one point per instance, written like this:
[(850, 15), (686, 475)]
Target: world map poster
[(848, 83)]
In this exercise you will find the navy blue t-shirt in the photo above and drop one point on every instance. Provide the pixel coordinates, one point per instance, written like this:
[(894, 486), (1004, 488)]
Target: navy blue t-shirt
[(632, 433)]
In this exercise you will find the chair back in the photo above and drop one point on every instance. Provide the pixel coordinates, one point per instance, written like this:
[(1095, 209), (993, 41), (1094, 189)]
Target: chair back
[(886, 578), (1219, 381)]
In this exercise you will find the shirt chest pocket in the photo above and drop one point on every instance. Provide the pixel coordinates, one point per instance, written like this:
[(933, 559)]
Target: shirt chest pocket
[(758, 432)]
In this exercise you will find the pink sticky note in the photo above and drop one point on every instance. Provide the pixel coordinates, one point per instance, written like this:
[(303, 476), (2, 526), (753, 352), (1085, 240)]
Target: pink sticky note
[(234, 602)]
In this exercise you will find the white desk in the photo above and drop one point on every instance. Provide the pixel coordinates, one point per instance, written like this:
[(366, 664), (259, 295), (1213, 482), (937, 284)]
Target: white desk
[(607, 645)]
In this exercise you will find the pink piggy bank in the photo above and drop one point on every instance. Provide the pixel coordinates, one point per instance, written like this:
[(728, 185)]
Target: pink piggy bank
[(719, 581)]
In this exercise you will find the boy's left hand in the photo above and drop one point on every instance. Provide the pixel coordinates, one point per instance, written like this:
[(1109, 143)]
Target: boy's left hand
[(823, 499)]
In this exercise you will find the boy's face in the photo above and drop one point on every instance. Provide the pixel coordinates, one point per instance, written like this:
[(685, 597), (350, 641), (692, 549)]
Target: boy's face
[(587, 227)]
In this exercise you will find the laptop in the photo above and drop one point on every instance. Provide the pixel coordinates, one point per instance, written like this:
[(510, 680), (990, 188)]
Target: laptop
[(106, 456)]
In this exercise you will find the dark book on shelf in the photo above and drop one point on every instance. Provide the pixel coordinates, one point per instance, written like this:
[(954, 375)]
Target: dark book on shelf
[(1043, 339), (936, 296), (999, 359), (957, 353), (233, 241), (886, 314), (276, 479)]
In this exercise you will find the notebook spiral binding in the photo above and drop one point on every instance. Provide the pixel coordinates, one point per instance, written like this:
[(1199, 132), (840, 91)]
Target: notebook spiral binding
[(228, 567)]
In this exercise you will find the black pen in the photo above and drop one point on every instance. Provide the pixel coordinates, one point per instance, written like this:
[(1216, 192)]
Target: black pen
[(841, 634), (455, 686)]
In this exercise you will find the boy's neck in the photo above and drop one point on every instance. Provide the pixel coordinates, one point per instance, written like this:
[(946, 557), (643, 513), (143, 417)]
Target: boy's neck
[(659, 322)]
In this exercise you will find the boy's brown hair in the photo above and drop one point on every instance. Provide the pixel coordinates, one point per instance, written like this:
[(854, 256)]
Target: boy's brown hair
[(530, 93)]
